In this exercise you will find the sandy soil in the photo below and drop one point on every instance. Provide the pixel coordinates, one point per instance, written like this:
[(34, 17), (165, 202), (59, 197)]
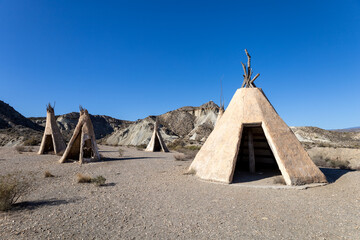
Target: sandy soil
[(148, 197)]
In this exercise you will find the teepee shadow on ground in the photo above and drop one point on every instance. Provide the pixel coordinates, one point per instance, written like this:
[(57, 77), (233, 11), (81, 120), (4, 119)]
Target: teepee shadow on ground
[(333, 174)]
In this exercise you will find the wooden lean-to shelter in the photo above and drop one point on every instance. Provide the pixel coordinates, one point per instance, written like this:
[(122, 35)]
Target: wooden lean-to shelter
[(82, 145), (52, 140), (251, 134)]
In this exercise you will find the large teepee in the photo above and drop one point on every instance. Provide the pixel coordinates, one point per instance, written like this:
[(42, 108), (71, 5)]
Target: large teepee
[(82, 144), (156, 143), (250, 134), (52, 140)]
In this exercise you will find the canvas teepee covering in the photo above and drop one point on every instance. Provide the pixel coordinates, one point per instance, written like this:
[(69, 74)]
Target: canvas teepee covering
[(156, 143), (250, 111), (52, 140), (82, 144)]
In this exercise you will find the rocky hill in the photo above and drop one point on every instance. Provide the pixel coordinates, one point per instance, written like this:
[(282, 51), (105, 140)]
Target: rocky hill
[(317, 137), (186, 123), (15, 128), (191, 125), (10, 118)]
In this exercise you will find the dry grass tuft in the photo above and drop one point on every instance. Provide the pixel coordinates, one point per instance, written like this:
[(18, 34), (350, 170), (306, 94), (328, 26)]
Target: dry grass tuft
[(83, 178), (279, 180), (121, 152), (32, 141), (48, 174), (21, 149), (99, 181), (190, 172), (141, 147), (180, 157), (12, 187), (332, 163)]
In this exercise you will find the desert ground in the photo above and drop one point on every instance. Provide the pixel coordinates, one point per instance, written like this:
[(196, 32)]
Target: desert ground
[(148, 196)]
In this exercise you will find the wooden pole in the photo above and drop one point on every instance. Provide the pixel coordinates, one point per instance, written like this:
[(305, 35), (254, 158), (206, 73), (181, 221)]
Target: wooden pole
[(251, 152)]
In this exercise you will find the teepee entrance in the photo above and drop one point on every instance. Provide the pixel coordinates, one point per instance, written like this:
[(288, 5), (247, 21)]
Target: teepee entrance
[(48, 144), (157, 145), (254, 155)]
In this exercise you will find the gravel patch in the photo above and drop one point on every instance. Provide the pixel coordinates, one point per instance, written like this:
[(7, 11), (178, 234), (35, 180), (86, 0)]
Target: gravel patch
[(147, 196)]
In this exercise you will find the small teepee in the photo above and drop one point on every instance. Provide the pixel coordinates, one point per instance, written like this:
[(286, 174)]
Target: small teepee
[(156, 143), (82, 144), (52, 140), (251, 134)]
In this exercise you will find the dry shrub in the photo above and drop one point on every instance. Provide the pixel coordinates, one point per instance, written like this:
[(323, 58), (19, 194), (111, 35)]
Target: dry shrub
[(12, 187), (99, 181), (48, 174), (193, 147), (121, 152), (21, 149), (180, 157), (176, 145), (332, 163), (190, 172), (83, 178), (32, 141), (141, 147), (279, 180)]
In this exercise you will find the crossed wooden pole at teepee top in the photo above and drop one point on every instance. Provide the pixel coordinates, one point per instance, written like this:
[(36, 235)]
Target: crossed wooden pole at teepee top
[(248, 82)]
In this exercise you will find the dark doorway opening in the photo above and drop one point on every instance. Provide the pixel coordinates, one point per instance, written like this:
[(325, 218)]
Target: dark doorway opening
[(255, 159), (49, 145), (87, 149), (157, 145)]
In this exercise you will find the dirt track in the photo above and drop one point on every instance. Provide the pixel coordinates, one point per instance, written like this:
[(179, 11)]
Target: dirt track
[(148, 197)]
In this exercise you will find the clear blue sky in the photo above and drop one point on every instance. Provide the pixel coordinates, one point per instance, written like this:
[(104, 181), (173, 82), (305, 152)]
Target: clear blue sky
[(131, 59)]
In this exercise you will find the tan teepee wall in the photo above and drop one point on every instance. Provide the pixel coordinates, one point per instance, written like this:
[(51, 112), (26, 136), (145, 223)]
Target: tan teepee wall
[(82, 144), (52, 140), (217, 158), (156, 143), (220, 114)]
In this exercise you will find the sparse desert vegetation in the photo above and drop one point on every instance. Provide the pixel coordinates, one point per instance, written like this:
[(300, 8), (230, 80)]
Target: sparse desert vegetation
[(81, 178), (12, 188), (48, 174), (21, 149), (150, 189), (97, 181)]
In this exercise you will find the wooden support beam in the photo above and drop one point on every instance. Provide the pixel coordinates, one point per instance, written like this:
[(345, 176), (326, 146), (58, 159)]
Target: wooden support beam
[(251, 152)]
